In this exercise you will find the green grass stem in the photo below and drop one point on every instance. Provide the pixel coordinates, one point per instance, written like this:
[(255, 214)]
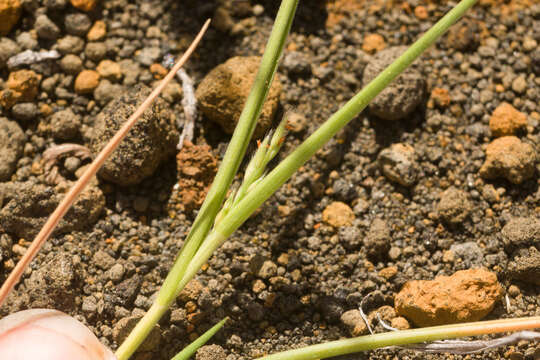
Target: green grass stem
[(227, 170), (284, 170), (189, 350), (404, 337)]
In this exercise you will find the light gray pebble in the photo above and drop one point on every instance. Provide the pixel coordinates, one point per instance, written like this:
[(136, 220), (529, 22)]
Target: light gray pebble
[(65, 124), (45, 28), (454, 206), (95, 51), (103, 260), (25, 112), (402, 96), (8, 48), (149, 55), (70, 44), (398, 164), (377, 241), (55, 5), (71, 64), (211, 352), (72, 163), (77, 24), (27, 41)]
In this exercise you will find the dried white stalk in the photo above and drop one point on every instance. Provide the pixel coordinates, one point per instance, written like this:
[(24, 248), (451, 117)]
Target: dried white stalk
[(29, 57), (189, 102)]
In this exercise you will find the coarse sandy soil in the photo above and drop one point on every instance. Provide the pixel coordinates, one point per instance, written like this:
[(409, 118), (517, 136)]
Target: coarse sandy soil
[(289, 273)]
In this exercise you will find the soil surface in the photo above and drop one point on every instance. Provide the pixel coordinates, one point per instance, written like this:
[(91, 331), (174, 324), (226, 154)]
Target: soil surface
[(426, 182)]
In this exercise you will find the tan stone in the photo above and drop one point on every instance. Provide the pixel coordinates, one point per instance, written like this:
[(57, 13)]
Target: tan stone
[(510, 158), (373, 43), (338, 214), (86, 81), (506, 120), (97, 31), (84, 5), (439, 97), (10, 12), (467, 295), (109, 70), (223, 92)]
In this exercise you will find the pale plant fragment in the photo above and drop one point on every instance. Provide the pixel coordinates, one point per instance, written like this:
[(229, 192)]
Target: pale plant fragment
[(29, 57), (92, 169), (53, 154), (189, 102)]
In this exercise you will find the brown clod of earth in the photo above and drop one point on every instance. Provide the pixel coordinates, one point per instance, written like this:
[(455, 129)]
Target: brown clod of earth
[(468, 295), (510, 158), (86, 81), (223, 92), (507, 120), (373, 43), (196, 166)]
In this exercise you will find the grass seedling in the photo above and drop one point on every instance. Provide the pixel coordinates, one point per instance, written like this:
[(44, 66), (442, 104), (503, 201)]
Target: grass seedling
[(215, 223)]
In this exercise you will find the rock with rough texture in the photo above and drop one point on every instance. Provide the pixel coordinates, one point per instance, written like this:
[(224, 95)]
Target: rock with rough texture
[(152, 140), (521, 232), (454, 206), (398, 164), (10, 11), (65, 124), (377, 241), (352, 319), (468, 295), (55, 284), (211, 352), (223, 92), (510, 158), (28, 208), (8, 48), (338, 214), (507, 120), (197, 167), (403, 95), (22, 85), (526, 267), (12, 141)]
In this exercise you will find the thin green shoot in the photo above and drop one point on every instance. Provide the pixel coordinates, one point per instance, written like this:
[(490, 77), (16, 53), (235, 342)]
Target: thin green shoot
[(189, 350)]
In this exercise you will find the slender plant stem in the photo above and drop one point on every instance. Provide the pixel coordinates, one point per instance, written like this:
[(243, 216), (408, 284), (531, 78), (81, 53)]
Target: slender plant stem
[(92, 169), (189, 350), (284, 170), (227, 170), (405, 337)]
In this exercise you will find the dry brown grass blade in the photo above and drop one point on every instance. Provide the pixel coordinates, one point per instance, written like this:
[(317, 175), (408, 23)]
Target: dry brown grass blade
[(79, 186)]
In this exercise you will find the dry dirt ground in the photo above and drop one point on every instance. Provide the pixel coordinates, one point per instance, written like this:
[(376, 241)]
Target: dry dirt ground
[(430, 180)]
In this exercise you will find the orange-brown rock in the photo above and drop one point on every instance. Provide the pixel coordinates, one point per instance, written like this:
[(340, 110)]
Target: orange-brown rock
[(439, 97), (86, 81), (467, 295), (338, 214), (373, 43), (506, 120), (97, 31), (421, 12), (84, 5), (10, 12), (223, 92), (22, 85), (510, 158)]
